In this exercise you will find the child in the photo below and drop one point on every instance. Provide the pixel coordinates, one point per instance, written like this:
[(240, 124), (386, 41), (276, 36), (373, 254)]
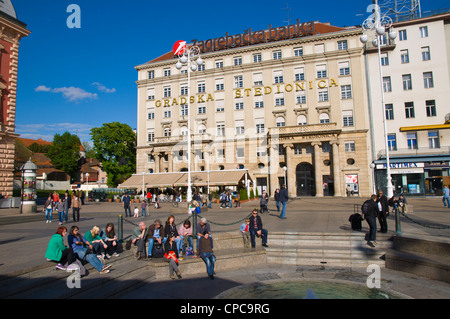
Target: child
[(245, 233), (136, 212)]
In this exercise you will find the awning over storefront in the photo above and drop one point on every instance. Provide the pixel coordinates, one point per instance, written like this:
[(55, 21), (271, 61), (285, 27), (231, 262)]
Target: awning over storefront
[(180, 179)]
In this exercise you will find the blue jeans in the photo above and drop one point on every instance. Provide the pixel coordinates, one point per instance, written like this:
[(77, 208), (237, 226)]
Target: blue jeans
[(210, 261), (277, 203), (127, 208), (446, 199), (283, 210), (90, 258), (264, 234), (150, 245), (61, 216), (144, 212), (190, 242), (372, 221), (48, 214), (66, 213)]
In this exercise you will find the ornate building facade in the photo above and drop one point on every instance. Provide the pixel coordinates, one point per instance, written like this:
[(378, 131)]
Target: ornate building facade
[(287, 104), (11, 32)]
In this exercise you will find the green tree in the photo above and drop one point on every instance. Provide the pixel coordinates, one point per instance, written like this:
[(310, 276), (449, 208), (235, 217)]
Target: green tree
[(115, 147), (65, 153)]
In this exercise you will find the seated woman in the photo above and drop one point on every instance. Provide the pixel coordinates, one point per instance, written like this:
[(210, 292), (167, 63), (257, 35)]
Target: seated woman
[(109, 237), (98, 245), (171, 256), (185, 232), (56, 251), (171, 228), (78, 244), (206, 252)]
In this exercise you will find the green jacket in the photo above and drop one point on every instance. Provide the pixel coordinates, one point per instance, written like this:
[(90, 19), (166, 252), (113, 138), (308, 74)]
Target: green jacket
[(55, 248), (89, 238)]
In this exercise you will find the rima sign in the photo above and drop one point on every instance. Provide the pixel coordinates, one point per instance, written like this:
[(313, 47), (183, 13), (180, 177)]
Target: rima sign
[(256, 37)]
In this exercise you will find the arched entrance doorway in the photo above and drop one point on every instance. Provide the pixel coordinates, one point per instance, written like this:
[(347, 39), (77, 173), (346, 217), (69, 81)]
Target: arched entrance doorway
[(305, 180)]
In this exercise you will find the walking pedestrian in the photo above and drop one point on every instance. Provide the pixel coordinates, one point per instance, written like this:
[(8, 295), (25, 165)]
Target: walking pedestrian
[(446, 196), (383, 211), (126, 200), (48, 209), (370, 211), (67, 205), (60, 209), (276, 196), (283, 199)]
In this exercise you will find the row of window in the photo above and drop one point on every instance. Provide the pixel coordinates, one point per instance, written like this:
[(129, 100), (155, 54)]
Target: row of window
[(428, 82), (256, 57), (411, 140), (430, 110)]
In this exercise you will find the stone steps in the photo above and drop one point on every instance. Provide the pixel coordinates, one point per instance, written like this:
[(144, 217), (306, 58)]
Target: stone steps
[(429, 258), (340, 249)]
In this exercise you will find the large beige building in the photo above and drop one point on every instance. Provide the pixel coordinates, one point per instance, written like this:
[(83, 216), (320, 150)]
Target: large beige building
[(284, 103)]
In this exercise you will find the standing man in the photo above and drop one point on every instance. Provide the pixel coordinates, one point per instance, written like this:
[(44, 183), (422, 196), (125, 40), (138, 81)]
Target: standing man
[(67, 205), (126, 204), (76, 207), (383, 209), (446, 196), (256, 228), (283, 199), (369, 210)]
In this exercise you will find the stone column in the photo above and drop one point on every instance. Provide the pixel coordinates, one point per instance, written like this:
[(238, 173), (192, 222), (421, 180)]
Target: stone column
[(170, 160), (336, 169), (273, 169), (290, 173), (317, 170), (157, 162)]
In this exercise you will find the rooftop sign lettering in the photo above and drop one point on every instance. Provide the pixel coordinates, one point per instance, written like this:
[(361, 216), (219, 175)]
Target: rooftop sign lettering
[(250, 37)]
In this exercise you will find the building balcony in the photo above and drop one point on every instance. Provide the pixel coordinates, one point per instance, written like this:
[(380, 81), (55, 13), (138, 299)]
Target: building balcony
[(421, 151), (172, 140), (310, 129)]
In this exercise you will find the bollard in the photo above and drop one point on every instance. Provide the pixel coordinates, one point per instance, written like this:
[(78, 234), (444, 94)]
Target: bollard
[(120, 228), (398, 227), (194, 230)]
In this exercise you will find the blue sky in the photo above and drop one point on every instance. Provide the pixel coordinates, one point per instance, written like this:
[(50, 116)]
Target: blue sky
[(76, 79)]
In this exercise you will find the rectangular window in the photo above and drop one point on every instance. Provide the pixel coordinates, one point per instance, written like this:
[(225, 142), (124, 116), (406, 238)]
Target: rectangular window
[(387, 85), (240, 127), (219, 64), (342, 45), (239, 105), (297, 149), (423, 32), (184, 90), (237, 61), (347, 117), (220, 129), (431, 108), (402, 35), (166, 72), (392, 142), (151, 116), (411, 139), (298, 51), (167, 91), (201, 87), (202, 110), (428, 80), (238, 82), (321, 71), (404, 54), (407, 82), (344, 68), (323, 95), (167, 114), (389, 111), (426, 56), (276, 55), (151, 74), (150, 136), (384, 59), (257, 57), (240, 152), (409, 110), (260, 128), (259, 104), (349, 146), (433, 139), (184, 109), (346, 92)]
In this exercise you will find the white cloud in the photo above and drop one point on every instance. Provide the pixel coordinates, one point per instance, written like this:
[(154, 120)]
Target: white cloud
[(42, 88), (72, 94), (103, 88), (47, 131)]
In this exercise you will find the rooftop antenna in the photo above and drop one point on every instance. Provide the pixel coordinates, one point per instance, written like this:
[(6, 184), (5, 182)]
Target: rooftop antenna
[(288, 10)]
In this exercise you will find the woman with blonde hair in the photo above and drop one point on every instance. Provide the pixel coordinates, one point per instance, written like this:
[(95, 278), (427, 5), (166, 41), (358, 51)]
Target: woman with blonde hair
[(98, 245)]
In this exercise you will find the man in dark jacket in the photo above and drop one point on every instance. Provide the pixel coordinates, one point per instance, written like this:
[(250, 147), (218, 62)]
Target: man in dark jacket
[(283, 199), (370, 210), (383, 211), (157, 234), (256, 228)]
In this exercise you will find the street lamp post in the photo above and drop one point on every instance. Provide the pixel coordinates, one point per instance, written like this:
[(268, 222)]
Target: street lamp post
[(191, 57), (379, 24)]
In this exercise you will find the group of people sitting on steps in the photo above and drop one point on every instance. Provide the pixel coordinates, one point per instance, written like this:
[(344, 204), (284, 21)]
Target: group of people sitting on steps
[(94, 247)]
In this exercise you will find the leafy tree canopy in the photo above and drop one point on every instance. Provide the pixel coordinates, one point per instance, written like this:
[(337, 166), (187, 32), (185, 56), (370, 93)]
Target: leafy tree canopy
[(65, 153), (115, 147)]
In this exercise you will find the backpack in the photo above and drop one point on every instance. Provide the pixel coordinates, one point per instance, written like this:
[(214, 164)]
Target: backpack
[(189, 251), (365, 208), (158, 250), (355, 220)]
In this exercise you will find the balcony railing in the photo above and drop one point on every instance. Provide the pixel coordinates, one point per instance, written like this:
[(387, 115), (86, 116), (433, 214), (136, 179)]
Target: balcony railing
[(299, 129), (414, 152)]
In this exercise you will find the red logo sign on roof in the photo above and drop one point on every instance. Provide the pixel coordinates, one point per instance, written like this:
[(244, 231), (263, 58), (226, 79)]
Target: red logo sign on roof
[(179, 47)]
